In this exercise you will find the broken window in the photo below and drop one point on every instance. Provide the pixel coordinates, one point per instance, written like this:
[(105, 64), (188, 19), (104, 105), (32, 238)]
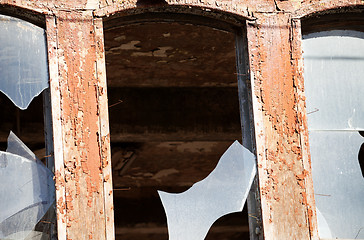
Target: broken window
[(190, 214), (174, 111), (334, 70), (26, 184)]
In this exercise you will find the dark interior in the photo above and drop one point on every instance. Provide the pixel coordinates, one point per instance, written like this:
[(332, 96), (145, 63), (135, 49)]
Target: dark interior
[(174, 110)]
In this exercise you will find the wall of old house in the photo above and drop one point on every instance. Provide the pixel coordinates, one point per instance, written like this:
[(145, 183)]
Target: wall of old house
[(80, 111)]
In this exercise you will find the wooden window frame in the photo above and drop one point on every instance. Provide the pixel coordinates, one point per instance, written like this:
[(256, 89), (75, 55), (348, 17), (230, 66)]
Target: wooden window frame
[(238, 28), (270, 41)]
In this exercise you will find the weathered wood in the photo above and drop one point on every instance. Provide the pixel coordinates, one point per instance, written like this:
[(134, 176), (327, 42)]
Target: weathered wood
[(241, 8), (327, 6), (79, 112), (78, 88), (297, 60), (164, 164), (49, 154), (283, 177), (228, 10), (190, 112), (247, 126), (144, 136), (334, 21), (57, 125), (104, 128), (48, 132), (175, 136)]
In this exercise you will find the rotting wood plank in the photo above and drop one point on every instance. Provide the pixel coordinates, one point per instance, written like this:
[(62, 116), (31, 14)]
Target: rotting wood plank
[(282, 175), (83, 172), (128, 136), (175, 136), (104, 128), (57, 125), (297, 60)]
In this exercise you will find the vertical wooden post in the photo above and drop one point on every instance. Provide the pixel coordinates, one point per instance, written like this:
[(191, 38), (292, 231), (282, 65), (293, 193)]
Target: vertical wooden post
[(48, 133), (284, 177), (247, 126), (81, 137), (57, 125), (49, 153), (297, 60), (104, 127)]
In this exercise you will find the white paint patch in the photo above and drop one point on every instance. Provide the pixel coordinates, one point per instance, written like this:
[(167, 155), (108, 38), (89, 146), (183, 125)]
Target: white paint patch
[(142, 54), (162, 61), (126, 46), (92, 4), (120, 38), (193, 147), (162, 52), (164, 173)]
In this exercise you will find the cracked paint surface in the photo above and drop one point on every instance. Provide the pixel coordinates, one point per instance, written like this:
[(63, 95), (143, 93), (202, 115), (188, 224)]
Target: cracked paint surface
[(83, 165), (278, 102)]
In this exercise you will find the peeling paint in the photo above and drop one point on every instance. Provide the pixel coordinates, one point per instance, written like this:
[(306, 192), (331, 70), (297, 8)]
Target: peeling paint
[(281, 168), (275, 60), (164, 173), (83, 163), (132, 45)]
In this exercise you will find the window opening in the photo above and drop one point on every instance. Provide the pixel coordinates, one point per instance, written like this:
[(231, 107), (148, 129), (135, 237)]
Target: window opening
[(334, 70), (174, 110), (26, 184)]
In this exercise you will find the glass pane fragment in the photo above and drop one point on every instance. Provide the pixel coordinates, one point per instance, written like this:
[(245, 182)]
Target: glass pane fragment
[(17, 147), (338, 181), (334, 79), (23, 60), (191, 214), (323, 227), (26, 192)]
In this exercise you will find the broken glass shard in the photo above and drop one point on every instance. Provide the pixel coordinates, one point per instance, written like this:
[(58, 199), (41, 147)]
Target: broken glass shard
[(323, 226), (35, 235), (334, 70), (338, 182), (26, 192), (23, 60), (191, 214), (17, 147)]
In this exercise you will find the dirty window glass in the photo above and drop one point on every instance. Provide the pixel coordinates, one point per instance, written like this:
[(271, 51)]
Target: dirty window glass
[(191, 214), (23, 61), (334, 80), (27, 189)]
